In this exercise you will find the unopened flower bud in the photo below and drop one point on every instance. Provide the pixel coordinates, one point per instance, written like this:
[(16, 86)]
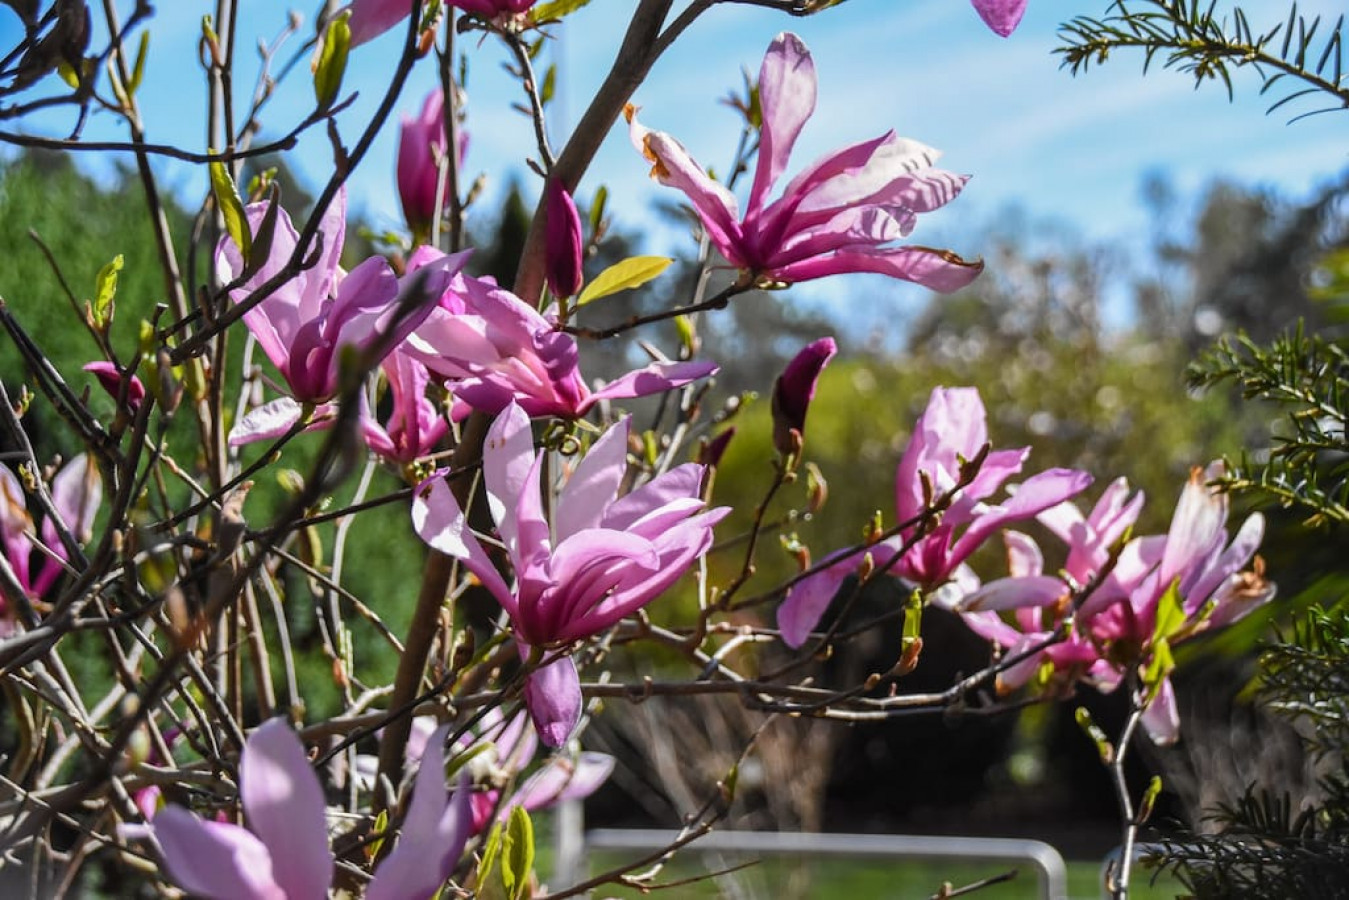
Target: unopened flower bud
[(711, 452), (111, 379), (794, 390), (562, 252)]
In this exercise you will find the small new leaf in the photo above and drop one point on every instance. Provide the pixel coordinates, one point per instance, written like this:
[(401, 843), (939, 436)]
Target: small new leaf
[(231, 208), (1093, 731), (1149, 798), (105, 291), (632, 272), (138, 68), (549, 87), (1170, 613), (332, 64), (547, 12), (517, 858)]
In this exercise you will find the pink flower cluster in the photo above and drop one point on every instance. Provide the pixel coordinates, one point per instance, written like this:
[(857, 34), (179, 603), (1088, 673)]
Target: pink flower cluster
[(1110, 615), (485, 346), (1157, 591)]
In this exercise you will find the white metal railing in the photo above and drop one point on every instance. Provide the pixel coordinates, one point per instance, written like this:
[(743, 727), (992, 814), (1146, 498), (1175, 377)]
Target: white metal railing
[(1050, 870)]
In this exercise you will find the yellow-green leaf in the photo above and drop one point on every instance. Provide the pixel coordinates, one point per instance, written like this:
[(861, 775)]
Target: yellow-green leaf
[(1160, 664), (231, 208), (68, 74), (1170, 612), (332, 63), (632, 272), (556, 9), (138, 69), (105, 290), (597, 208), (549, 86), (517, 857)]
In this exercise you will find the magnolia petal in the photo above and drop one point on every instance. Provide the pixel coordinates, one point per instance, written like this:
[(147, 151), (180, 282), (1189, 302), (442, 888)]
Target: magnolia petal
[(1014, 593), (1037, 493), (673, 167), (1197, 525), (564, 779), (787, 86), (276, 417), (77, 493), (216, 860), (1001, 15), (508, 457), (594, 484), (1196, 587), (1023, 554), (652, 379), (553, 698), (434, 832), (938, 270), (438, 520), (807, 600), (371, 18), (1161, 719), (680, 483), (284, 804)]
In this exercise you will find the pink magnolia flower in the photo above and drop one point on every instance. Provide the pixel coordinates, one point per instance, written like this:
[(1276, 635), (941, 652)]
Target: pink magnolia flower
[(563, 245), (793, 391), (1001, 15), (77, 493), (110, 379), (1122, 620), (1205, 572), (842, 214), (416, 424), (323, 315), (602, 557), (496, 349), (950, 431), (284, 854)]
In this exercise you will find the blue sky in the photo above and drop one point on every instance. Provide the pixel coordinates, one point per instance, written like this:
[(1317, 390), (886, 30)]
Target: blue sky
[(1071, 150)]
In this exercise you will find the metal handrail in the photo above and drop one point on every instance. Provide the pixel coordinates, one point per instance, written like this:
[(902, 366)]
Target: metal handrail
[(1050, 869)]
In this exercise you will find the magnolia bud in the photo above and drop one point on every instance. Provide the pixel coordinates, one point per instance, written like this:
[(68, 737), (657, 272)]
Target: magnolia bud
[(562, 252), (794, 390)]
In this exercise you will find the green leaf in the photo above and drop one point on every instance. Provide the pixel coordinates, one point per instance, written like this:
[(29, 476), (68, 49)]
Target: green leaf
[(1093, 731), (1149, 798), (490, 851), (1170, 613), (381, 826), (549, 86), (545, 12), (68, 74), (632, 272), (231, 207), (1160, 664), (597, 208), (332, 63), (105, 290), (687, 336), (138, 69), (913, 618), (517, 859)]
